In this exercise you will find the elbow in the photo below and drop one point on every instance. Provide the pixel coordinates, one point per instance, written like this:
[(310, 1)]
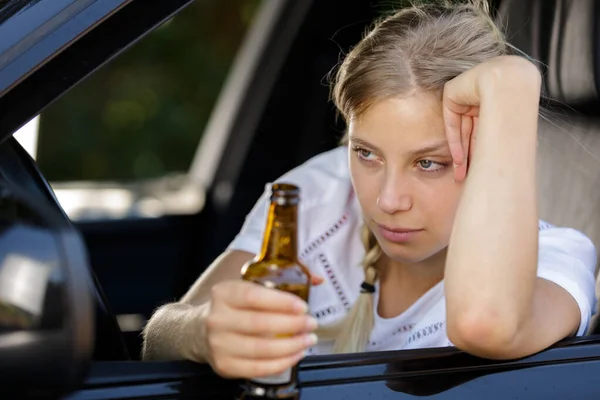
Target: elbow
[(484, 334)]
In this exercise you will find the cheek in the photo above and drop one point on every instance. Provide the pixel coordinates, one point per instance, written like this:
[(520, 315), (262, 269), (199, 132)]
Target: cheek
[(365, 183)]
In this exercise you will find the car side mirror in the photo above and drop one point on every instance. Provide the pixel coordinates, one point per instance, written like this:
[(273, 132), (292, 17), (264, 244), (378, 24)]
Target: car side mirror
[(46, 313)]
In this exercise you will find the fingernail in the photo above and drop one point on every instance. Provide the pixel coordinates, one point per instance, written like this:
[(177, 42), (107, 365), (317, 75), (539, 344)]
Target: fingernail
[(311, 324), (301, 306), (311, 339)]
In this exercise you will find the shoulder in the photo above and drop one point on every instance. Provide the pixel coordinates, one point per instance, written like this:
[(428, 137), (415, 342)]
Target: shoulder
[(564, 241), (568, 258)]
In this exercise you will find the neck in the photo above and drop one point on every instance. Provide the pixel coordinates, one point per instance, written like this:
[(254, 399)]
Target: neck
[(280, 241), (429, 270), (401, 284)]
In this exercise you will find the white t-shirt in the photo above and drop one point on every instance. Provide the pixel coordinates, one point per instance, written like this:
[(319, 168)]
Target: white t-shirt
[(329, 222)]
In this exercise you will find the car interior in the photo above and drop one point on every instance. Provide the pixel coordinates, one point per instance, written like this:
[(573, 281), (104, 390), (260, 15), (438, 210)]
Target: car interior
[(268, 138), (285, 117), (562, 36)]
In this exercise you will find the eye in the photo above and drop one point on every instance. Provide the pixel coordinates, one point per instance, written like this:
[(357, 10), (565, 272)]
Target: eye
[(430, 166), (365, 155)]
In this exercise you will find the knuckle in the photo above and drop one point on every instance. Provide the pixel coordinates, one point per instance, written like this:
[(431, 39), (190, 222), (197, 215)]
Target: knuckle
[(260, 324), (222, 366), (271, 368), (212, 342), (515, 68), (299, 323), (250, 294), (257, 348), (216, 291), (263, 369), (212, 321)]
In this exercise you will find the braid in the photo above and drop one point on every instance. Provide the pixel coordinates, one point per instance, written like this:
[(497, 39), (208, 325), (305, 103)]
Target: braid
[(352, 333), (356, 328)]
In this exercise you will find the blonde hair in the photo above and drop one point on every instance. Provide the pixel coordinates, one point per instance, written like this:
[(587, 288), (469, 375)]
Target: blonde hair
[(419, 48)]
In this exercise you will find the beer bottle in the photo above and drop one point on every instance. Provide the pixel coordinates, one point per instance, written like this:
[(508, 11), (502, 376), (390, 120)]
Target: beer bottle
[(277, 266)]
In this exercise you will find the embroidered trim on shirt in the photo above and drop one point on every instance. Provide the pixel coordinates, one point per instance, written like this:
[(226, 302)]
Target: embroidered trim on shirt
[(333, 280), (427, 331), (401, 329), (323, 312), (329, 232), (321, 239)]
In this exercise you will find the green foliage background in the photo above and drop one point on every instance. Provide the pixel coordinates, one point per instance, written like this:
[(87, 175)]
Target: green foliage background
[(142, 115)]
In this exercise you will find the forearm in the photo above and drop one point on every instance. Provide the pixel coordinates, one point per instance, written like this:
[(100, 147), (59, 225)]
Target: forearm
[(176, 331), (492, 258)]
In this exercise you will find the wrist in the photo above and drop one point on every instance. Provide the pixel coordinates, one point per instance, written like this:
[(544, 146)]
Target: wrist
[(514, 76), (192, 344)]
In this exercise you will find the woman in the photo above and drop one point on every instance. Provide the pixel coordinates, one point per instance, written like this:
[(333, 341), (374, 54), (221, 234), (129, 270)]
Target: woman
[(437, 181)]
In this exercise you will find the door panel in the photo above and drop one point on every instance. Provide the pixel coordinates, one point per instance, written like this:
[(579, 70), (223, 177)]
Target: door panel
[(560, 381), (567, 372)]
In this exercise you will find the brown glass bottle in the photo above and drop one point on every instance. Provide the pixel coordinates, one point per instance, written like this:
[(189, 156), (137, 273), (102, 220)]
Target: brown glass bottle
[(277, 266)]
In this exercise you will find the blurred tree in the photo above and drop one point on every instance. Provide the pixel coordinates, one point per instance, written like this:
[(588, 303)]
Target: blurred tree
[(142, 116)]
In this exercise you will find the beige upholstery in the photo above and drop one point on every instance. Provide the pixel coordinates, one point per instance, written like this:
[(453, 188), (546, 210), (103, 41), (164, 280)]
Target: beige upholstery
[(569, 174), (562, 35), (569, 179)]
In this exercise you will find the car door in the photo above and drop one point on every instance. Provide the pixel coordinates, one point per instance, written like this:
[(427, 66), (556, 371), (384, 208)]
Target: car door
[(564, 372), (259, 135)]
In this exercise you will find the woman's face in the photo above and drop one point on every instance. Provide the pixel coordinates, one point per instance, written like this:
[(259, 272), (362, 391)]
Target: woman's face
[(401, 170)]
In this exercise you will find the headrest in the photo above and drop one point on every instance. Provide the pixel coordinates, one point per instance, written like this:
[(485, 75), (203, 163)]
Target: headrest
[(562, 35)]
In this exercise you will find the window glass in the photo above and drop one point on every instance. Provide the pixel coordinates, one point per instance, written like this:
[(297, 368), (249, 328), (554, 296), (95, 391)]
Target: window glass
[(142, 115)]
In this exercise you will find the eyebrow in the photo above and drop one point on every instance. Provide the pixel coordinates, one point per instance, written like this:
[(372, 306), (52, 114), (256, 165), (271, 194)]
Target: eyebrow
[(364, 143), (413, 153), (429, 149)]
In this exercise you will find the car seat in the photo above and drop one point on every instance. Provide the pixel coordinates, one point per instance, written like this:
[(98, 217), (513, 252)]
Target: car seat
[(563, 36)]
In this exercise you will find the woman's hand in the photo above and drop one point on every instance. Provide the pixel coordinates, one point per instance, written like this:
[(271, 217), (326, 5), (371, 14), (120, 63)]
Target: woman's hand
[(252, 331), (491, 81)]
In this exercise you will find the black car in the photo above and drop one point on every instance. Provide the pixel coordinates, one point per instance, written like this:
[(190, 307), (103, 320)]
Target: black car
[(63, 281)]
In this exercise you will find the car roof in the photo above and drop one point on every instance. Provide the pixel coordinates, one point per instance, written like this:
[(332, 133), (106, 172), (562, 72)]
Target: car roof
[(49, 46)]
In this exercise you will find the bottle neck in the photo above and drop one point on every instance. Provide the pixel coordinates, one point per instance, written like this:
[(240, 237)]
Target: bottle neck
[(280, 239)]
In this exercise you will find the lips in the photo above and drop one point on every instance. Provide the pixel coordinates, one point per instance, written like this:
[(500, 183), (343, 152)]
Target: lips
[(398, 230), (398, 235)]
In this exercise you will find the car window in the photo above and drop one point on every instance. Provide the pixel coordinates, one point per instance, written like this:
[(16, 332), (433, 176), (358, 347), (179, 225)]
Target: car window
[(143, 115), (120, 144)]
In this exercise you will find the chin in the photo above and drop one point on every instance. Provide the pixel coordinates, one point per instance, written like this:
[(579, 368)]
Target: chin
[(405, 254)]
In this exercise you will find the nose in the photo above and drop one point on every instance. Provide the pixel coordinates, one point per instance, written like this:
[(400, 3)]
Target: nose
[(395, 194)]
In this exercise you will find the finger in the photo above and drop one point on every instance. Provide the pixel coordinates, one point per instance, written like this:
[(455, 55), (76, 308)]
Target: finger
[(473, 111), (230, 367), (251, 296), (461, 93), (452, 123), (259, 323), (316, 280), (473, 140), (260, 348), (465, 133)]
